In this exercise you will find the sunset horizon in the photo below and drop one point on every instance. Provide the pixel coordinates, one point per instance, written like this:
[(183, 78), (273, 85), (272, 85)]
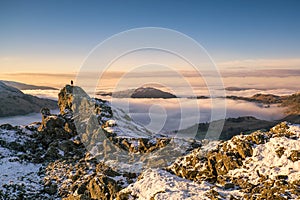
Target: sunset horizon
[(149, 99)]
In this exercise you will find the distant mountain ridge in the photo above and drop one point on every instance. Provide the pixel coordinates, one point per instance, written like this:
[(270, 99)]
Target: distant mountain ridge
[(290, 102), (14, 102), (141, 92), (241, 88), (260, 98), (235, 126), (23, 86)]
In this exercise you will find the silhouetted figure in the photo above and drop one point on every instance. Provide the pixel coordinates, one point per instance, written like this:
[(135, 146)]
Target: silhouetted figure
[(72, 83)]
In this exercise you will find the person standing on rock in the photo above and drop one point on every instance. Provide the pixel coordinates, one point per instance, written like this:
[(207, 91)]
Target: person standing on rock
[(72, 83)]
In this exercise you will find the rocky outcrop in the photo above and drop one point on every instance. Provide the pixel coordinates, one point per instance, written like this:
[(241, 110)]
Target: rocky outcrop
[(86, 179), (69, 97), (231, 162)]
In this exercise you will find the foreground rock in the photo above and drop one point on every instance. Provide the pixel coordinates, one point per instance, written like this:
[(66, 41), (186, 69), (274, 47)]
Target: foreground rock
[(262, 164)]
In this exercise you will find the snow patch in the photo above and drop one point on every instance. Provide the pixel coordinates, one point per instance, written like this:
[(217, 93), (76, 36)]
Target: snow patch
[(265, 161), (161, 185)]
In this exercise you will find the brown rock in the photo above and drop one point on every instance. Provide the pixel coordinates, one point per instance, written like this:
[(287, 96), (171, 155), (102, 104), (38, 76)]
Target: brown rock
[(295, 155), (102, 187), (280, 151)]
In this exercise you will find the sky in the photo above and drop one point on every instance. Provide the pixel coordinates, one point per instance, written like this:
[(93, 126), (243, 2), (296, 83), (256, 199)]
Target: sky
[(55, 36)]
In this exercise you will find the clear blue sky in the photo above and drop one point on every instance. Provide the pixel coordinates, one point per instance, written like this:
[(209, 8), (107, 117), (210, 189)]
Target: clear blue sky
[(61, 33)]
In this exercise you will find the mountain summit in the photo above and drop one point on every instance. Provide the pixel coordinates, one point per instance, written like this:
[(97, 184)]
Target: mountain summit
[(150, 92), (141, 92)]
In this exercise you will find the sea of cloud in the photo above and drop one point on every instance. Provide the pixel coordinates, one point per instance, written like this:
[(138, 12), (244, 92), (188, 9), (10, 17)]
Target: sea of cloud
[(174, 114)]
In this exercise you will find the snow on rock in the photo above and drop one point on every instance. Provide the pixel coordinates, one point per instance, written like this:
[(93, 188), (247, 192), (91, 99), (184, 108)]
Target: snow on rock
[(16, 174), (19, 178), (111, 122), (272, 159), (294, 128), (124, 126), (262, 164), (266, 161), (160, 185)]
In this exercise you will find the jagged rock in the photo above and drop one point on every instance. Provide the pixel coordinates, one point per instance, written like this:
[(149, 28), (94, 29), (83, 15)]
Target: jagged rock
[(213, 195), (280, 151), (295, 155), (228, 163), (82, 184), (50, 188), (49, 123), (55, 127), (8, 127), (69, 98), (65, 99), (45, 112), (102, 187)]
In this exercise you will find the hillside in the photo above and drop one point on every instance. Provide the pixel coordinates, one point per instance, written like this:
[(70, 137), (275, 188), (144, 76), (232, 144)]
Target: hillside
[(232, 127), (292, 103), (14, 102), (260, 98)]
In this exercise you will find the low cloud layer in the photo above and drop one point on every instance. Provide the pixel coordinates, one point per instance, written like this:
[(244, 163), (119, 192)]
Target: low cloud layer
[(175, 114)]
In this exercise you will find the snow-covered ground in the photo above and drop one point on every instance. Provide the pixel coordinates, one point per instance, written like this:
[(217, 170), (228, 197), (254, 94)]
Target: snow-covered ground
[(14, 172), (160, 185)]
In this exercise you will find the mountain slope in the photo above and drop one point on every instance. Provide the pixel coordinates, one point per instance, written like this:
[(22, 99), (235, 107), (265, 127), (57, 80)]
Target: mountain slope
[(14, 102), (232, 127)]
